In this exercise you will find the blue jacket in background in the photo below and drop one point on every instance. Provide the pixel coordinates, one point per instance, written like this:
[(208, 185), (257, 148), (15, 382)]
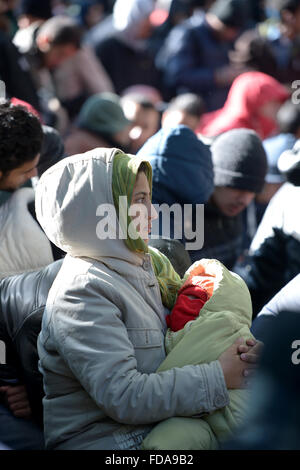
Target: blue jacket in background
[(189, 58)]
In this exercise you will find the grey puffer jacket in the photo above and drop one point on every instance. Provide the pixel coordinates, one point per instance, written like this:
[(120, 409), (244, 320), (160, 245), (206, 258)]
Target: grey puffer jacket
[(103, 328)]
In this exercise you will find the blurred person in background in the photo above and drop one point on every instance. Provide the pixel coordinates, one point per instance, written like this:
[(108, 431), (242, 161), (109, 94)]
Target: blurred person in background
[(240, 167), (100, 123), (65, 73), (185, 109), (14, 67), (274, 255), (253, 102), (198, 60), (144, 116), (124, 52), (288, 119)]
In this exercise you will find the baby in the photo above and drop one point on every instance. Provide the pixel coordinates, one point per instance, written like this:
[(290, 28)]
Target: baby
[(213, 309)]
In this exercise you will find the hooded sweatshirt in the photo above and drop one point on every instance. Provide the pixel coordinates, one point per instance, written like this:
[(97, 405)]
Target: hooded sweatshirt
[(127, 20), (102, 335), (248, 93), (182, 166)]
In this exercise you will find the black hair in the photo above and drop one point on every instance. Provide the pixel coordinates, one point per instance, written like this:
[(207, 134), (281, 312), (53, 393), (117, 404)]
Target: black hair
[(143, 168), (288, 118), (61, 30), (140, 99), (21, 136), (290, 5), (189, 103)]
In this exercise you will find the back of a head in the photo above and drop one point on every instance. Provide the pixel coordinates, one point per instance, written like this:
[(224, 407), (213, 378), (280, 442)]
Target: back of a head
[(127, 16), (254, 51), (178, 142), (139, 99), (20, 136), (36, 8), (177, 156), (176, 253), (189, 103), (239, 160), (232, 13), (288, 118), (61, 30), (149, 93), (290, 5)]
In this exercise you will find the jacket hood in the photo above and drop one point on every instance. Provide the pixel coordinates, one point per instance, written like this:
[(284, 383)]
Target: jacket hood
[(228, 290), (182, 166), (75, 206), (248, 93)]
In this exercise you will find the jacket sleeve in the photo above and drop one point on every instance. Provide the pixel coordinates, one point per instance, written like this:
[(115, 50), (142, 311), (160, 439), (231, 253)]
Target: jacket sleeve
[(94, 343), (286, 300), (266, 270), (94, 77)]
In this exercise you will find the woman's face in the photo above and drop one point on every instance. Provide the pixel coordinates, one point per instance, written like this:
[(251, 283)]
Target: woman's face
[(141, 209)]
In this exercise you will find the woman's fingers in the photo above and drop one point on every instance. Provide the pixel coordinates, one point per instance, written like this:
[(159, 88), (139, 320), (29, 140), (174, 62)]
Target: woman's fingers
[(24, 413), (17, 400), (250, 358)]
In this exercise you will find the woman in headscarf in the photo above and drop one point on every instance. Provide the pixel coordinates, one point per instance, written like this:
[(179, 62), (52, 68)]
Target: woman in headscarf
[(102, 336), (253, 102)]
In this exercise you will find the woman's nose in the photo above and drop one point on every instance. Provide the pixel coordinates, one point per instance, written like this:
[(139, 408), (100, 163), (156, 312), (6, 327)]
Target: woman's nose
[(153, 213)]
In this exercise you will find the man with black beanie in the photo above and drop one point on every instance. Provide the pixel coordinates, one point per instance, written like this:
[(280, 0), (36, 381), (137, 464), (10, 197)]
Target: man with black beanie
[(240, 166), (197, 60)]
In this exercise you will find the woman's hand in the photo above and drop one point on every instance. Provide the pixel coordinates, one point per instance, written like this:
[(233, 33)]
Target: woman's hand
[(17, 400), (252, 352), (239, 362)]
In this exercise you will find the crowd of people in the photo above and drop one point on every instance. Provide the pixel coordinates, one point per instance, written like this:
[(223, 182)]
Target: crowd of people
[(149, 236)]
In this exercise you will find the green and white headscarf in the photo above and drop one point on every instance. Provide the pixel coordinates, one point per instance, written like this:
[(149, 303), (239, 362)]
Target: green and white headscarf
[(125, 170)]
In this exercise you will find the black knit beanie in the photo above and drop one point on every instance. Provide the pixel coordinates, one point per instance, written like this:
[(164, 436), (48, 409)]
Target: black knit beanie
[(38, 8), (239, 160), (232, 13)]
